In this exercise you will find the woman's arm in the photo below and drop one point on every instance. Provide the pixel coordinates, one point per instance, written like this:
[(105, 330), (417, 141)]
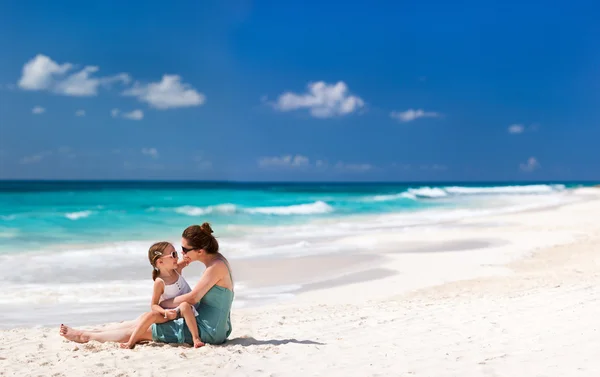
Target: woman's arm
[(209, 278), (159, 288), (181, 265)]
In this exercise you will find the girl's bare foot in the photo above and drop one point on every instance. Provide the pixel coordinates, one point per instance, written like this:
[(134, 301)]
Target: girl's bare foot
[(127, 345), (198, 343), (73, 335)]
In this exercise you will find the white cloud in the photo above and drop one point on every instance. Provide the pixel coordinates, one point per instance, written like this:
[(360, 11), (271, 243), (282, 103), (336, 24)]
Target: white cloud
[(34, 159), (402, 166), (411, 114), (63, 152), (437, 167), (516, 129), (418, 166), (39, 73), (166, 94), (152, 152), (66, 151), (42, 73), (121, 77), (79, 84), (38, 110), (531, 165), (134, 115), (520, 128), (323, 100), (300, 161), (80, 113), (354, 167), (284, 161)]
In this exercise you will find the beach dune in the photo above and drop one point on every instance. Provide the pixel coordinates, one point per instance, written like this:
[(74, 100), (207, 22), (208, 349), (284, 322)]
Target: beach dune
[(515, 294)]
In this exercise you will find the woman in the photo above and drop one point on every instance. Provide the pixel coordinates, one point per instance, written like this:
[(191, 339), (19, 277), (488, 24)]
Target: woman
[(212, 297)]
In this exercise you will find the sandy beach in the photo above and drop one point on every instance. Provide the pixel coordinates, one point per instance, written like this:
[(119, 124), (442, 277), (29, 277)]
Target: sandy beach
[(514, 294)]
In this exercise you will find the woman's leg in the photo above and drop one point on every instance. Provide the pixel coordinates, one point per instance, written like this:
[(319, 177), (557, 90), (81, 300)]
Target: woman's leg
[(82, 336), (190, 320), (139, 331), (117, 334), (120, 325)]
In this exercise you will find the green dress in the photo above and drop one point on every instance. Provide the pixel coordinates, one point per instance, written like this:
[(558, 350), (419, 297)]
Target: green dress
[(213, 320)]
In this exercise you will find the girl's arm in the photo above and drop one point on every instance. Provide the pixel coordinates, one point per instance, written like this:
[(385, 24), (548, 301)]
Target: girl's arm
[(209, 278), (159, 288)]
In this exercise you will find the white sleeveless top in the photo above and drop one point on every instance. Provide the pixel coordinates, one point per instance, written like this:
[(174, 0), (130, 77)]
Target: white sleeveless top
[(180, 287)]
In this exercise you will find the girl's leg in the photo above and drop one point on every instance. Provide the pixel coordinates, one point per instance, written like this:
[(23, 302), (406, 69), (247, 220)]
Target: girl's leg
[(188, 315), (142, 327)]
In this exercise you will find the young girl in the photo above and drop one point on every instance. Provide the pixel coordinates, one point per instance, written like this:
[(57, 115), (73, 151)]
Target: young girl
[(168, 283)]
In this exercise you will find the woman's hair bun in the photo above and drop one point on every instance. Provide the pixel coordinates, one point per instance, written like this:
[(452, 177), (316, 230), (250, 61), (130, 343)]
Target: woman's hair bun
[(206, 228)]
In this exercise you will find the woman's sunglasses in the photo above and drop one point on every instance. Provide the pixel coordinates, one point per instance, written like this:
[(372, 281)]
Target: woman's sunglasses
[(185, 250)]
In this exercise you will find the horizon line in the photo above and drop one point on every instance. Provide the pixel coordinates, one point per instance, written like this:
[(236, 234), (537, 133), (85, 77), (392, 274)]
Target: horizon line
[(109, 180)]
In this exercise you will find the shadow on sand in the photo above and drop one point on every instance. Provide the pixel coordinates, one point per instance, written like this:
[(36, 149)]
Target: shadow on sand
[(160, 344), (250, 341), (242, 341)]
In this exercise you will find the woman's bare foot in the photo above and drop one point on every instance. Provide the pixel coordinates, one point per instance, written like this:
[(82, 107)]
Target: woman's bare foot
[(127, 345), (73, 335), (198, 343)]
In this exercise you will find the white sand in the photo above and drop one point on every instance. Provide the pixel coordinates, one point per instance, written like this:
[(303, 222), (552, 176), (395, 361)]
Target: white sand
[(521, 300)]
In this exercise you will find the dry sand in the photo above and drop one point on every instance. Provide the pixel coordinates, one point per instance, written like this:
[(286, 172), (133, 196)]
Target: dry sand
[(509, 295)]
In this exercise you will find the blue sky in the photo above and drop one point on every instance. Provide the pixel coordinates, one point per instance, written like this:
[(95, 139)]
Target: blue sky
[(312, 90)]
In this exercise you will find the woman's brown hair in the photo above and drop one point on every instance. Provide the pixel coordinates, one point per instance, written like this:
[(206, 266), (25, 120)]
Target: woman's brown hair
[(156, 251), (200, 237)]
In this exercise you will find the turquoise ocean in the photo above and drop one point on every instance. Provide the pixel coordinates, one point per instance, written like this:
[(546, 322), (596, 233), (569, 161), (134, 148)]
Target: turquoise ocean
[(81, 246)]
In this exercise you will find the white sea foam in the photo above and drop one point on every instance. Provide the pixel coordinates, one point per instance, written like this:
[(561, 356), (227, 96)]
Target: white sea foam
[(441, 192), (121, 293), (428, 192), (297, 209), (198, 211), (528, 189), (385, 198), (283, 245), (78, 215), (80, 292)]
